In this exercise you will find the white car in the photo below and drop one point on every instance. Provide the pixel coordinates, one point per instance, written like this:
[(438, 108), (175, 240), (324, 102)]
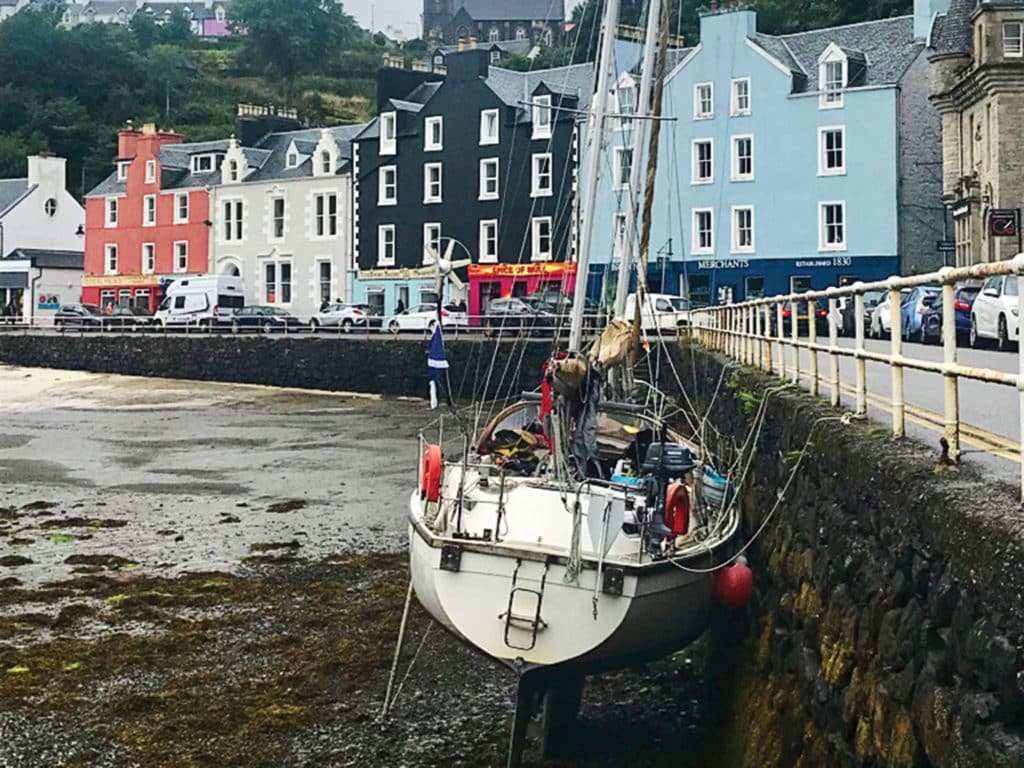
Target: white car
[(994, 314), (348, 317), (661, 312), (881, 316), (422, 317)]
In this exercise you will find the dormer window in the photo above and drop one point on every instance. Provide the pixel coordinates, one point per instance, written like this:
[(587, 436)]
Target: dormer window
[(1013, 44), (233, 170), (626, 96), (202, 163), (388, 133), (494, 35), (122, 170), (495, 57), (833, 77), (150, 171), (439, 60), (292, 160), (326, 163), (542, 117)]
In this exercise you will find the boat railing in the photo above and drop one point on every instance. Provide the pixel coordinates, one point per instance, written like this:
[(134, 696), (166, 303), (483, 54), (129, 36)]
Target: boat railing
[(755, 333)]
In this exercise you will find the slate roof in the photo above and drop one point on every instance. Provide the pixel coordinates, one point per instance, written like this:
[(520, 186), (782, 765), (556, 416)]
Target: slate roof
[(200, 10), (887, 46), (953, 30), (274, 148), (11, 191), (506, 10), (49, 259), (506, 46), (514, 88)]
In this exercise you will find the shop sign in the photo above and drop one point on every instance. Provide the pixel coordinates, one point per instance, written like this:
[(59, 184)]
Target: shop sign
[(1002, 222), (477, 271), (49, 301), (402, 273), (837, 261), (961, 209), (119, 281), (723, 264)]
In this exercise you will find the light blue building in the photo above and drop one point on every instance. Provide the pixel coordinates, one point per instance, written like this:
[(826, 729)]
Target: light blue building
[(788, 162)]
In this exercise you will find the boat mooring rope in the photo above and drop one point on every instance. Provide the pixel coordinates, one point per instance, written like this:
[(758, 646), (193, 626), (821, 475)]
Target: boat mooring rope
[(398, 653)]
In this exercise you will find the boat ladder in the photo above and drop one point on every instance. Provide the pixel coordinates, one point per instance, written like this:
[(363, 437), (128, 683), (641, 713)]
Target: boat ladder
[(524, 604)]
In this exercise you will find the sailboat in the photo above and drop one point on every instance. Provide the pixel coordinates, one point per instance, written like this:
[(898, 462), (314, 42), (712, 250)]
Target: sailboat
[(575, 533)]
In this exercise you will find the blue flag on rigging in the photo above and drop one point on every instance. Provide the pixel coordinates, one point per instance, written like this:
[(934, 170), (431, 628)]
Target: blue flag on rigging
[(437, 363)]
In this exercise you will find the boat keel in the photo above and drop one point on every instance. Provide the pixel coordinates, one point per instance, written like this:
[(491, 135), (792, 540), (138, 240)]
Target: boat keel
[(560, 692)]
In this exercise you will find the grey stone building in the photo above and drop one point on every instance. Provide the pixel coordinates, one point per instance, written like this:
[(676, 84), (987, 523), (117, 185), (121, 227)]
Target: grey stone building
[(538, 21)]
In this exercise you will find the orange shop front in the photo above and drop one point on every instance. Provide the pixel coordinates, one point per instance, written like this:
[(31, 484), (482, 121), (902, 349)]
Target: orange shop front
[(495, 281)]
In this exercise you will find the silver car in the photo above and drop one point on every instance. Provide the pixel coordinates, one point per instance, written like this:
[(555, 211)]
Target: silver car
[(347, 317)]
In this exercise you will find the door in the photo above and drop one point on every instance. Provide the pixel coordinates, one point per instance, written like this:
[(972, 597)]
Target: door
[(985, 306)]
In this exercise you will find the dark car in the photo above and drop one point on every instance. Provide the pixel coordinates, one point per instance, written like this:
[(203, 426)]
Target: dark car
[(560, 304), (849, 317), (266, 319), (802, 315), (963, 301), (514, 315), (79, 316), (374, 318), (127, 318)]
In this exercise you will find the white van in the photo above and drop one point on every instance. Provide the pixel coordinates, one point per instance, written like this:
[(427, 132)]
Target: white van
[(660, 311), (201, 300)]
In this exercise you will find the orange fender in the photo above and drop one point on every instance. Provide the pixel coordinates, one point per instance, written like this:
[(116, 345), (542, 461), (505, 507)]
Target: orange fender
[(433, 464), (677, 509)]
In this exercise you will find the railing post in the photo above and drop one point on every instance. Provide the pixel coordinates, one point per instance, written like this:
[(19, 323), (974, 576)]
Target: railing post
[(896, 351), (755, 312), (766, 317), (1018, 269), (812, 341), (795, 335), (748, 333), (833, 344), (780, 331), (951, 382), (860, 364)]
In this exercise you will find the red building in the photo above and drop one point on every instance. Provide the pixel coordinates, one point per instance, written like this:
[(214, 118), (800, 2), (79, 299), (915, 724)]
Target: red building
[(147, 223)]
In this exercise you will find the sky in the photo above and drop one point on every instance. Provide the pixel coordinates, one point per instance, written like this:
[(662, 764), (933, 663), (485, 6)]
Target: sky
[(403, 16)]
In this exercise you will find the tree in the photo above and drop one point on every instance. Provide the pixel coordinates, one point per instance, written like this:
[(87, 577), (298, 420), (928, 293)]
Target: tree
[(292, 37)]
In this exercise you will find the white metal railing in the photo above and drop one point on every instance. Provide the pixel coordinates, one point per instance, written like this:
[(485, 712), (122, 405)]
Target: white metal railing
[(750, 331)]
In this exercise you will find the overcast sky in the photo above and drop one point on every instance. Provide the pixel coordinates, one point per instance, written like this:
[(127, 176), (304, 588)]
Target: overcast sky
[(402, 15)]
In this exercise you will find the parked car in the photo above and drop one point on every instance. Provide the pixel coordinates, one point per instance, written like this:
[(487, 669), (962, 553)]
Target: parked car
[(347, 317), (374, 318), (848, 318), (560, 305), (994, 314), (78, 315), (963, 300), (266, 319), (517, 316), (128, 318), (914, 305), (205, 300), (881, 319), (423, 317), (660, 312), (803, 313)]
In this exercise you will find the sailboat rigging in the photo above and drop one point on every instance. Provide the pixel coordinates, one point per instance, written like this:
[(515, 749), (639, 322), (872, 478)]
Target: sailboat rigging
[(575, 535)]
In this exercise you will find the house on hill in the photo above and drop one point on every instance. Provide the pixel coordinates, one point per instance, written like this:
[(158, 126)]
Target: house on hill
[(538, 21)]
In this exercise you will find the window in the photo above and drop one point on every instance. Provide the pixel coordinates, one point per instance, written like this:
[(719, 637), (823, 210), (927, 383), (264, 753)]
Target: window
[(150, 171), (703, 166), (388, 142), (489, 127), (1013, 46), (181, 207), (326, 163), (627, 102), (122, 170), (277, 218), (432, 183), (285, 282), (742, 229), (753, 287), (831, 151), (202, 163), (141, 300), (703, 101), (386, 245), (270, 282), (489, 179), (619, 244), (431, 240), (181, 257), (326, 207), (833, 80), (233, 220), (277, 282), (742, 158), (623, 168), (520, 33), (832, 226), (148, 258), (149, 211), (740, 101), (703, 231), (541, 117), (111, 260), (540, 185), (292, 159), (489, 241), (541, 228), (50, 206), (111, 220), (495, 57), (433, 134), (375, 298), (387, 179), (324, 276), (494, 35), (233, 170)]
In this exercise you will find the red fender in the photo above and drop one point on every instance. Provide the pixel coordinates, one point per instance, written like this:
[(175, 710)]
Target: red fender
[(677, 509), (733, 586), (433, 463)]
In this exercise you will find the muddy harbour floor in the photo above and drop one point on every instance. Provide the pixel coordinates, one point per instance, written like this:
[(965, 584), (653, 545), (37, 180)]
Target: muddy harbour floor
[(211, 575)]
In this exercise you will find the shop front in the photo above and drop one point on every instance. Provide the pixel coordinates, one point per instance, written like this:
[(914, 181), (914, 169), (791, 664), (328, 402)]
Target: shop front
[(142, 291), (383, 289), (495, 281)]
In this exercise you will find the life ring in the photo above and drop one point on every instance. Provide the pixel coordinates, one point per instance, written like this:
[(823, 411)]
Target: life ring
[(677, 509), (433, 463)]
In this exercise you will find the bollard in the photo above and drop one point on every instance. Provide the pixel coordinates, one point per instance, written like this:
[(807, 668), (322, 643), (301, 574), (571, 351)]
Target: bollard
[(860, 364), (896, 351), (833, 357), (951, 416)]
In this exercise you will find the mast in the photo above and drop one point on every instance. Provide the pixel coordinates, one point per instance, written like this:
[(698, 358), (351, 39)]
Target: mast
[(593, 167), (640, 126)]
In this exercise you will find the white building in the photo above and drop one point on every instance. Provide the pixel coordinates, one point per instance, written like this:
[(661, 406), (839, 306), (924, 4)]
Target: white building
[(282, 218), (37, 214)]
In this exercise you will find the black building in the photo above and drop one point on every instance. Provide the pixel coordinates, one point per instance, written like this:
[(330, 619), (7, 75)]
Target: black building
[(487, 157)]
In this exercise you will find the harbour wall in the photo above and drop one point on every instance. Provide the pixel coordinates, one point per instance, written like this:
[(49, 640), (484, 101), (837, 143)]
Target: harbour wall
[(888, 621)]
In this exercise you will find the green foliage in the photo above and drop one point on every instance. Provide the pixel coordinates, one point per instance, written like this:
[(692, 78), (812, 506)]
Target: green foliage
[(546, 59)]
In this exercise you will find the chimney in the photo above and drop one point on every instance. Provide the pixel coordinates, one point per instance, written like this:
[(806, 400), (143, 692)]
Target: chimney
[(46, 170), (472, 41), (127, 142), (467, 66)]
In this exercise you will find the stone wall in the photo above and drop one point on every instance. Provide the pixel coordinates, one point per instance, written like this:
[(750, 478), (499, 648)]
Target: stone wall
[(889, 617), (380, 365)]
